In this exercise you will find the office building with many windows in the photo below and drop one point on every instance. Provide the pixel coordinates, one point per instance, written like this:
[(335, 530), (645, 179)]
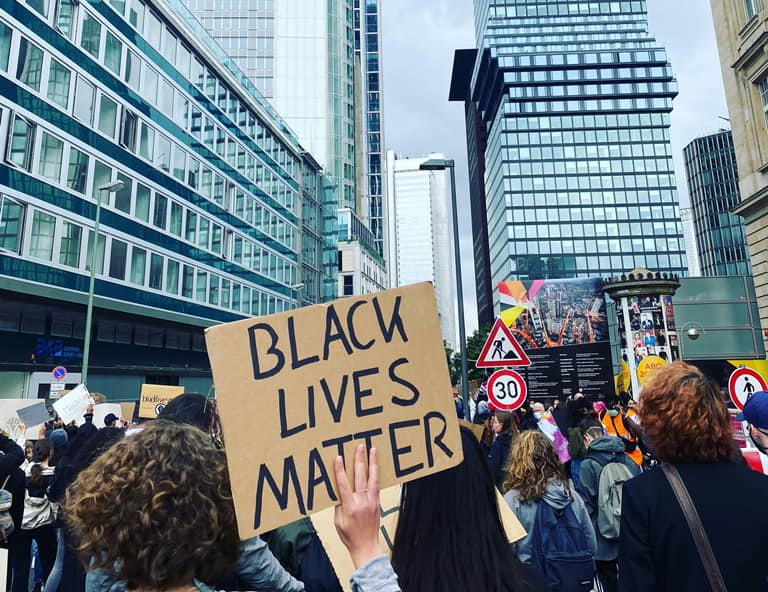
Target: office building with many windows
[(571, 118), (370, 133), (421, 228), (361, 268), (300, 54), (689, 235), (713, 187), (742, 40), (210, 209)]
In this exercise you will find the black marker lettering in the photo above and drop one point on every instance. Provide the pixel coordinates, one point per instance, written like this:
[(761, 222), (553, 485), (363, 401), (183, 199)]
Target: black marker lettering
[(338, 442), (402, 381), (395, 322), (361, 393), (335, 409), (438, 439), (316, 464), (285, 431), (351, 327), (281, 495), (331, 335), (295, 361), (368, 437), (258, 374), (397, 452)]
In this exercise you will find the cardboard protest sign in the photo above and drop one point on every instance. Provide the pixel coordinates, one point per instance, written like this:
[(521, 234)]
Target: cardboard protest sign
[(390, 512), (128, 409), (297, 389), (10, 422), (154, 398), (74, 404), (34, 415)]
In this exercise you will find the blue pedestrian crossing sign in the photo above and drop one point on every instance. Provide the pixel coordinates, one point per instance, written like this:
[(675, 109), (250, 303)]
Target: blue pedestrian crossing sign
[(59, 373)]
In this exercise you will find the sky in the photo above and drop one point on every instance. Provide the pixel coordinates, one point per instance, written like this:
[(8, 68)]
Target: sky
[(419, 39)]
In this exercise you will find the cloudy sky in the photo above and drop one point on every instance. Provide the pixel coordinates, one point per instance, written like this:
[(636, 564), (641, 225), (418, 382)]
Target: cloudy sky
[(419, 41)]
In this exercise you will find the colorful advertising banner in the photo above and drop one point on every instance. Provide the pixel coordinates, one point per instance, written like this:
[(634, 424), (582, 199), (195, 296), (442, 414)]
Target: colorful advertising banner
[(563, 329)]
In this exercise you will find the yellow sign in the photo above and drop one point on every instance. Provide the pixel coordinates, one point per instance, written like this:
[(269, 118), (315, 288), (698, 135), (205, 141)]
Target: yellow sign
[(297, 389), (647, 366), (154, 398)]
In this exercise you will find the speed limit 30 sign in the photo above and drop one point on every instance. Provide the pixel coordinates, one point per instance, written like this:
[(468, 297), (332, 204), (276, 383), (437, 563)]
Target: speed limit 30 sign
[(507, 390)]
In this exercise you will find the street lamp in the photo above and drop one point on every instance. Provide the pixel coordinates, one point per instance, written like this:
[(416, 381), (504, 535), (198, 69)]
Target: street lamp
[(439, 164), (107, 188)]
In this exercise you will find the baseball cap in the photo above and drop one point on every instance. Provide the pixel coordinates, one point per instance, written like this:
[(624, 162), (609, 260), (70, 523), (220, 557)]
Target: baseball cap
[(756, 410)]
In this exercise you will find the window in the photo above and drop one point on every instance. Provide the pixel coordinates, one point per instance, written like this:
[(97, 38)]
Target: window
[(142, 202), (107, 116), (149, 90), (117, 259), (22, 140), (29, 68), (40, 6), (71, 238), (156, 272), (65, 17), (118, 5), (136, 14), (132, 70), (58, 84), (161, 209), (191, 230), (152, 28), (51, 156), (41, 239), (77, 172), (146, 142), (11, 223), (138, 265), (99, 254), (128, 130), (84, 101), (6, 35), (750, 7), (764, 96), (102, 174), (113, 53), (202, 234), (176, 218), (90, 38), (163, 158), (123, 196), (187, 281), (172, 277), (348, 288), (201, 289)]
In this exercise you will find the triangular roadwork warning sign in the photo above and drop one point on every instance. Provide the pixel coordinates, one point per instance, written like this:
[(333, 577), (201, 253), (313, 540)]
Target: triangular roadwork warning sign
[(502, 349)]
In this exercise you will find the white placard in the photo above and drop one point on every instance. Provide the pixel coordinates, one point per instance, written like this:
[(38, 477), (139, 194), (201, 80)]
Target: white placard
[(73, 405), (102, 410)]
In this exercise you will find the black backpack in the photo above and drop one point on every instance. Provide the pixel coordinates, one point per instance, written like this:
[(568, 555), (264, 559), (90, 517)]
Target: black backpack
[(559, 550)]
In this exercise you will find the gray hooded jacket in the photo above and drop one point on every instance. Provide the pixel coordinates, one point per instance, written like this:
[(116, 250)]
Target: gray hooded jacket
[(558, 496), (601, 452)]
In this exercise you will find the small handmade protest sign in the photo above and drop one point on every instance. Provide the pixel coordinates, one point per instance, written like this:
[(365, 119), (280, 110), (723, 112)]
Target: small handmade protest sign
[(74, 404), (154, 398), (297, 389)]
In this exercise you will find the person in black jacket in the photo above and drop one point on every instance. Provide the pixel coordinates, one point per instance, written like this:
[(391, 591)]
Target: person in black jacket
[(10, 460), (505, 428), (686, 420)]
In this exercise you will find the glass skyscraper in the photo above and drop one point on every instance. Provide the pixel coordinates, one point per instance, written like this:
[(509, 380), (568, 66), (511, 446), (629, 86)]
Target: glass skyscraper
[(371, 132), (570, 112), (713, 185)]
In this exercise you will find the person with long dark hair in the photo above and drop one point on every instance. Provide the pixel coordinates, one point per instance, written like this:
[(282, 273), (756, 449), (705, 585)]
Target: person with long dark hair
[(686, 420), (450, 522), (505, 428)]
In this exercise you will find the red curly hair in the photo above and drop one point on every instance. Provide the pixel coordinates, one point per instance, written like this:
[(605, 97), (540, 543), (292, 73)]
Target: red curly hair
[(685, 416)]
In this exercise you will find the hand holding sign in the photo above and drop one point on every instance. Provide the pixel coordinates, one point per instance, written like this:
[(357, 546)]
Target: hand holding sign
[(357, 517)]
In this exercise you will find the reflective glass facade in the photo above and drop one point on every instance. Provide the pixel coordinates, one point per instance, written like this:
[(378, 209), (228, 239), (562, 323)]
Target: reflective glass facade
[(713, 185), (575, 99), (221, 210), (368, 51)]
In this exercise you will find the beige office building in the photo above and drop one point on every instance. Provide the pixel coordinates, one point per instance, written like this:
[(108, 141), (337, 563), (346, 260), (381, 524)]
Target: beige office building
[(741, 27)]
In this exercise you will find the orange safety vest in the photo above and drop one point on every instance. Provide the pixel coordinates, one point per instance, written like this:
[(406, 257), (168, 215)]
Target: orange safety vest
[(615, 427)]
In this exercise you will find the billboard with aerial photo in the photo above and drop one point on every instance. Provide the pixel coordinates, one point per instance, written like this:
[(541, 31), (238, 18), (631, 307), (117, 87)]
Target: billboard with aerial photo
[(562, 326)]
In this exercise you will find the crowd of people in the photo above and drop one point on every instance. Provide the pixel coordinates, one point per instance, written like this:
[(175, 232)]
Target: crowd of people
[(612, 496)]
